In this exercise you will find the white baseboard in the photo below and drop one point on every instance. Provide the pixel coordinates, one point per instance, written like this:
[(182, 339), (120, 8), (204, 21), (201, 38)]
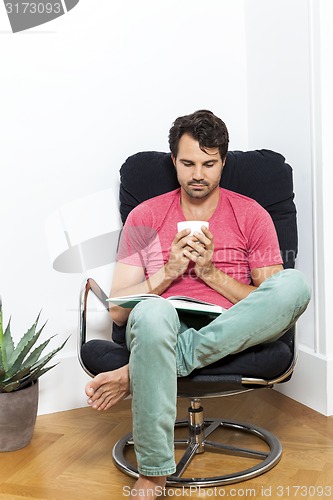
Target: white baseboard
[(312, 381)]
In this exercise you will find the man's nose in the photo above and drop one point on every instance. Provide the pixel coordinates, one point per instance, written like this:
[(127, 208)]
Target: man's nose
[(198, 173)]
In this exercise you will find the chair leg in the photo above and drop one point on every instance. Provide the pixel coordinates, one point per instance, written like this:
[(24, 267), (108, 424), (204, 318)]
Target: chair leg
[(197, 443)]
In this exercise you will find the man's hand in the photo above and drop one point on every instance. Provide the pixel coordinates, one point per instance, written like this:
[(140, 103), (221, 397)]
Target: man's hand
[(178, 260), (201, 252)]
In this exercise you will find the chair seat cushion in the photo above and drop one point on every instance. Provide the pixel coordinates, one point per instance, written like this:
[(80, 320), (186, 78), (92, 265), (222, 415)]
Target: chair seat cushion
[(261, 361), (265, 361)]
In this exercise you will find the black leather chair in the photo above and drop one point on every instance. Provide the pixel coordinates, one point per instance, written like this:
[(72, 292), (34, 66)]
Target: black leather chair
[(264, 176)]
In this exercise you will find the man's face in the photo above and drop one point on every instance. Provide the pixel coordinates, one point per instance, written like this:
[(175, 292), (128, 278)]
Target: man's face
[(198, 172)]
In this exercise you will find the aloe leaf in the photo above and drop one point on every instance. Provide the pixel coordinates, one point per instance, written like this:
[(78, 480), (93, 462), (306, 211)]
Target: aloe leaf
[(25, 379), (34, 356), (49, 356), (26, 375), (18, 375), (6, 346), (10, 387), (1, 330), (37, 365), (3, 361), (2, 374), (9, 343), (28, 335), (23, 348), (35, 375)]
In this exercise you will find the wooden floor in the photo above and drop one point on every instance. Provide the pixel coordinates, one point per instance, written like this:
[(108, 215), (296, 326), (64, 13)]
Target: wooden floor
[(70, 454)]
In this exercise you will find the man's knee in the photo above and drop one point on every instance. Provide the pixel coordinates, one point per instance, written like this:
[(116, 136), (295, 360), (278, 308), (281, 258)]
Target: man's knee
[(154, 311), (292, 287), (153, 319)]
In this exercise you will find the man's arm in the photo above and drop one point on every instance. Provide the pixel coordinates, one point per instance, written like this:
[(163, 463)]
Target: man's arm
[(234, 290), (230, 288), (130, 280)]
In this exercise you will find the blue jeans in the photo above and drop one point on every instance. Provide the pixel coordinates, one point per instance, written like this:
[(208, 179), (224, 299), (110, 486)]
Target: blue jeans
[(162, 349)]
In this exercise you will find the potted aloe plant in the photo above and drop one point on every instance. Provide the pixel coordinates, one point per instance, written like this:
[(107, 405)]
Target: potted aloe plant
[(20, 368)]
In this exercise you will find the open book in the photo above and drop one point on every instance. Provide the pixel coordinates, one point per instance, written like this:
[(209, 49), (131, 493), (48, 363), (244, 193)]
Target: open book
[(178, 301)]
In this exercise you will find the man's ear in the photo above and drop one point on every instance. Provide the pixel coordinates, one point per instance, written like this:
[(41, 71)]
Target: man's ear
[(173, 160)]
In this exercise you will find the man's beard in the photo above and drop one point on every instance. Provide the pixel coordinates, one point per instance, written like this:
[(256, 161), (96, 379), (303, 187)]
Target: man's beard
[(200, 193)]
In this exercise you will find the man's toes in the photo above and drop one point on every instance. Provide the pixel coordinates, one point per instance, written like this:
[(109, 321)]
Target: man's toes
[(100, 401), (97, 404), (89, 391)]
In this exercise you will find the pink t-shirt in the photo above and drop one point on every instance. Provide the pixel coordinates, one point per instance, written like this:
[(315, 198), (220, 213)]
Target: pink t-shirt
[(244, 239)]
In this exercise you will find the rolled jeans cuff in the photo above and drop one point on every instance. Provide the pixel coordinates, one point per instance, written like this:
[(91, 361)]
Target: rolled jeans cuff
[(157, 471)]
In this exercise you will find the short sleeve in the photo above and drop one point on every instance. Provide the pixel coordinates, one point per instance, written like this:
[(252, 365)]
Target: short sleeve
[(263, 244), (139, 242)]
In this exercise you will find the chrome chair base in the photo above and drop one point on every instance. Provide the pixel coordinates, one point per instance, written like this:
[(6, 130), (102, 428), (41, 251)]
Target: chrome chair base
[(197, 442)]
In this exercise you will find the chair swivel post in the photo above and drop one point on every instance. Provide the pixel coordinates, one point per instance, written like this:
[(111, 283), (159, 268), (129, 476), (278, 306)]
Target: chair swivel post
[(196, 425)]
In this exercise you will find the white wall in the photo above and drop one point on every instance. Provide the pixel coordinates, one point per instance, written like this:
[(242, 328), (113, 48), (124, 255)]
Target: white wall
[(77, 96)]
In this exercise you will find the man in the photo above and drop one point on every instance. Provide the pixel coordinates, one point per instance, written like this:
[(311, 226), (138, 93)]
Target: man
[(235, 263)]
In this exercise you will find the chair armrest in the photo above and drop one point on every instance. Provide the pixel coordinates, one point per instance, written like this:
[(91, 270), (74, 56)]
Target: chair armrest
[(88, 285)]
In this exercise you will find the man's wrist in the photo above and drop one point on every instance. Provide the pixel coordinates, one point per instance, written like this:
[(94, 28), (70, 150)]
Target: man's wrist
[(170, 273), (207, 274)]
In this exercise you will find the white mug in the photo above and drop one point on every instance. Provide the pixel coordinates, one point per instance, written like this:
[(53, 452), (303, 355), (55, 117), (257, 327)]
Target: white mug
[(194, 225)]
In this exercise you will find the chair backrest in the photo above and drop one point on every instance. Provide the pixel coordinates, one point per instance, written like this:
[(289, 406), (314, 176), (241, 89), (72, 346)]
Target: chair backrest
[(262, 175)]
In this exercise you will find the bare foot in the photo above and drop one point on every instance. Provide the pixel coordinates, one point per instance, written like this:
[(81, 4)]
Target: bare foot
[(108, 388), (148, 487)]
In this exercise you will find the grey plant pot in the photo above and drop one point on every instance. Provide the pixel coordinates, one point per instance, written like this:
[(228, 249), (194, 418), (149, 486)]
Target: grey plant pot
[(18, 412)]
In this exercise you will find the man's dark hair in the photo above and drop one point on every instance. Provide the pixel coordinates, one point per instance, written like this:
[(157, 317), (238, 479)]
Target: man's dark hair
[(204, 127)]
